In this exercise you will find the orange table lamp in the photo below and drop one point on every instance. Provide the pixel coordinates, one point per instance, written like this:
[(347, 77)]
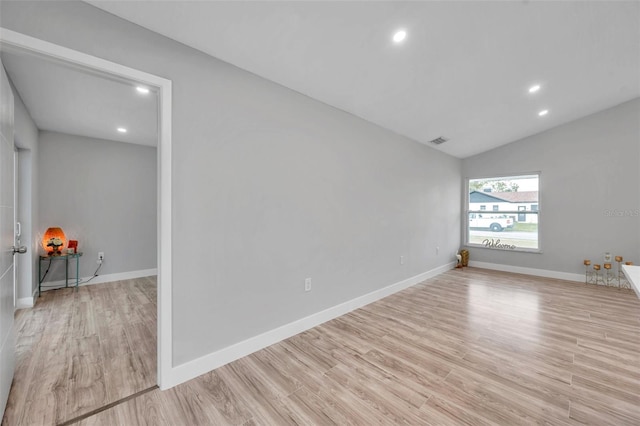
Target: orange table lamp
[(54, 240)]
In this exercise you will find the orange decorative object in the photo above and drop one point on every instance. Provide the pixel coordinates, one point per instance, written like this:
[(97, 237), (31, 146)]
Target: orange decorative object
[(607, 266), (587, 262), (54, 240), (618, 258), (596, 267)]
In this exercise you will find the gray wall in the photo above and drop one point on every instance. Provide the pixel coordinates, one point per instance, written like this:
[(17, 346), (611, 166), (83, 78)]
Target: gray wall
[(270, 187), (590, 168), (26, 139), (103, 195)]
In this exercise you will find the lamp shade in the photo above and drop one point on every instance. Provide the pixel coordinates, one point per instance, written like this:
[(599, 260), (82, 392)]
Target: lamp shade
[(54, 240)]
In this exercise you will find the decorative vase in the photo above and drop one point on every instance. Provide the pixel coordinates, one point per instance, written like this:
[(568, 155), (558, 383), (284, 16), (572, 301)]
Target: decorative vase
[(465, 257)]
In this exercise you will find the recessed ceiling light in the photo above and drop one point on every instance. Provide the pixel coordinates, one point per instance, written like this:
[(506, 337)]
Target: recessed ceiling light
[(142, 90), (122, 130), (543, 112), (534, 89), (399, 36)]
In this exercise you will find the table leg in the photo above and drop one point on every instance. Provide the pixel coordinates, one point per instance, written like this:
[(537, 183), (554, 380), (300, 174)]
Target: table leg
[(66, 272), (39, 277), (77, 272)]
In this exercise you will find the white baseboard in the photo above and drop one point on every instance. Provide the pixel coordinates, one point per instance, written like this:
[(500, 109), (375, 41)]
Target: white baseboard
[(29, 302), (195, 368), (52, 285), (528, 271), (26, 302)]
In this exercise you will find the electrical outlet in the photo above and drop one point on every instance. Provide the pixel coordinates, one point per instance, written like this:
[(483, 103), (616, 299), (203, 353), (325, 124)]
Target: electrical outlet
[(402, 260), (100, 257), (307, 284), (437, 250)]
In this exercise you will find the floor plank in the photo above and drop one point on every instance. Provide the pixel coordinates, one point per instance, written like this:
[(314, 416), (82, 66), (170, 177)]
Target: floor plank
[(79, 351), (471, 347)]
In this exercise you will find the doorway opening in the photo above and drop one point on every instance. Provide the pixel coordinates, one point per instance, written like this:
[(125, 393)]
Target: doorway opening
[(16, 42)]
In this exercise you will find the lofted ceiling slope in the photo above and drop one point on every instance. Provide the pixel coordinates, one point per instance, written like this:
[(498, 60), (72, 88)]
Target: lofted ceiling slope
[(463, 71)]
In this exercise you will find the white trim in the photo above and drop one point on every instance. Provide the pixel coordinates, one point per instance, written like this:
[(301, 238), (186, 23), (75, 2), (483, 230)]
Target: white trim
[(101, 279), (528, 271), (44, 48), (34, 45), (195, 368), (26, 302), (165, 274), (29, 302)]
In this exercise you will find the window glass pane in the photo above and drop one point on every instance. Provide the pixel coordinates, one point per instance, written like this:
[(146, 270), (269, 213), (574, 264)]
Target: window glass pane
[(505, 232), (513, 222), (523, 189)]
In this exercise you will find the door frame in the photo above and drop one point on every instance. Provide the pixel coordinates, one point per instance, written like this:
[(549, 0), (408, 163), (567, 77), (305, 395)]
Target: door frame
[(16, 175), (15, 40)]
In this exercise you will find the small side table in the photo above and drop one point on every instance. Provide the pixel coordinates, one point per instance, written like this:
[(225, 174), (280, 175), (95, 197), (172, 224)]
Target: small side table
[(65, 257)]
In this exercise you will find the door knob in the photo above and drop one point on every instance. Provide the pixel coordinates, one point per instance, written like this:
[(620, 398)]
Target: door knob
[(19, 249)]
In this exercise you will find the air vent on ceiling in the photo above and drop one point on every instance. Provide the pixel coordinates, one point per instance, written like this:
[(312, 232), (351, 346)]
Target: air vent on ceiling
[(438, 141)]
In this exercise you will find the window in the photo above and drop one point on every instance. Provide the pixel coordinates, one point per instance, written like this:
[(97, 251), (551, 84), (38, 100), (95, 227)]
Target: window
[(513, 223), (522, 217)]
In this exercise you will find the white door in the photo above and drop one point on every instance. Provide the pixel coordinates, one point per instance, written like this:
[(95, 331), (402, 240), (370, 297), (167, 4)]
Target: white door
[(7, 332), (17, 227)]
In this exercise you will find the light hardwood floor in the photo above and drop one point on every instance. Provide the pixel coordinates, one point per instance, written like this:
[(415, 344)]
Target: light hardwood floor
[(78, 351), (470, 347)]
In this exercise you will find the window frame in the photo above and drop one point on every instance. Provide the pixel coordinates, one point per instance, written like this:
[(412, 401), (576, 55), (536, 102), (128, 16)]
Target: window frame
[(468, 211)]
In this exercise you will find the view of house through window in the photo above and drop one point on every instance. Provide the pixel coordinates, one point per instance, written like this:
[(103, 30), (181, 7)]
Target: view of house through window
[(511, 223)]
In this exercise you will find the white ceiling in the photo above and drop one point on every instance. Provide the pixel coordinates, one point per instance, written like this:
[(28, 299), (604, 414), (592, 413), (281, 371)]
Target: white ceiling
[(67, 99), (463, 71)]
